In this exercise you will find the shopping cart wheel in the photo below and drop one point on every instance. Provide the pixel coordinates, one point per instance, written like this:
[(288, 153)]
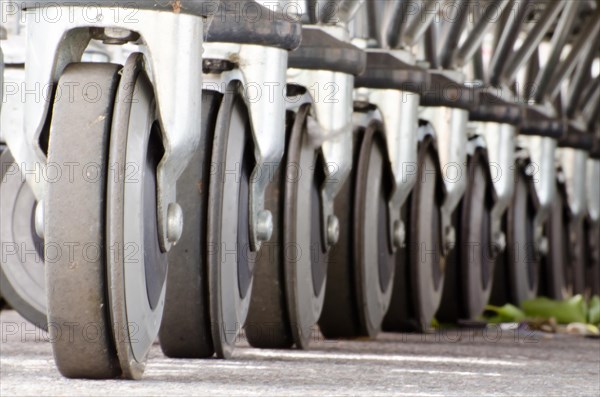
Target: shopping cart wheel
[(470, 265), (185, 330), (555, 278), (22, 279), (112, 283), (420, 265), (361, 268), (230, 258), (296, 272), (521, 257)]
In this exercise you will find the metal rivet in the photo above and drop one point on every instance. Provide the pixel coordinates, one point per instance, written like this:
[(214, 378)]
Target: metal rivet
[(39, 219), (264, 225), (174, 223), (333, 229), (399, 234)]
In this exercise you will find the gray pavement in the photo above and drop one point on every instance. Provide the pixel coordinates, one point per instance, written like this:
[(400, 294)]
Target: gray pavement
[(455, 362)]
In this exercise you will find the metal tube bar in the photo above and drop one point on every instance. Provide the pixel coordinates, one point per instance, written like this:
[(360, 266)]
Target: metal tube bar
[(581, 78), (418, 25), (532, 41), (394, 23), (473, 41), (509, 31), (590, 29), (559, 39), (430, 47), (453, 36)]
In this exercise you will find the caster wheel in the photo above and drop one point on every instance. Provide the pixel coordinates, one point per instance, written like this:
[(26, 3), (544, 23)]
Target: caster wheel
[(230, 259), (470, 265), (361, 267), (516, 277), (22, 279), (289, 296), (105, 298), (593, 257), (185, 330), (420, 264), (555, 279)]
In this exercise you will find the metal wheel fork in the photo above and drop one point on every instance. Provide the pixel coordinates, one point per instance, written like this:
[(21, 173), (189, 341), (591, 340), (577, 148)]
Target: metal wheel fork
[(174, 57)]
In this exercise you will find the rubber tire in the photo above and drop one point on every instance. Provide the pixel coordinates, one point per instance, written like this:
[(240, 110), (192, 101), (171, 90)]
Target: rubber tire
[(228, 305), (418, 289), (29, 297), (75, 212), (346, 311), (185, 330), (470, 265), (517, 270), (555, 279)]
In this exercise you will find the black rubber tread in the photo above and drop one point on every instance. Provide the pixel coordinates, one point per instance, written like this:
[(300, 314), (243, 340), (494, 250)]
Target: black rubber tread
[(593, 257), (409, 310), (34, 310), (75, 212), (578, 254), (185, 329), (517, 269), (470, 265), (555, 281), (346, 313), (370, 316), (339, 318), (268, 324)]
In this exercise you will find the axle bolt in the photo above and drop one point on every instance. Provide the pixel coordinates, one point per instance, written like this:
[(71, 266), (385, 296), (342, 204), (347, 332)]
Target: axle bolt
[(399, 234), (174, 223), (264, 225), (333, 229), (39, 219)]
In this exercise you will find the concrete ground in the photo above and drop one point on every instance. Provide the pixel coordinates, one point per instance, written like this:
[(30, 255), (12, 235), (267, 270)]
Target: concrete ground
[(458, 363)]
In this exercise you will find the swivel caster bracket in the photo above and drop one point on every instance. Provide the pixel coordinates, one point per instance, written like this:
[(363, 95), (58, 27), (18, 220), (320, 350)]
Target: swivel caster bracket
[(174, 55)]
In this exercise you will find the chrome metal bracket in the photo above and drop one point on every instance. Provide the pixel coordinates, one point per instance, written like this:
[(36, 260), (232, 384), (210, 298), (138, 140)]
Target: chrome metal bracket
[(541, 152), (593, 189), (450, 125), (332, 106), (173, 59), (261, 71), (399, 113), (574, 164), (500, 142)]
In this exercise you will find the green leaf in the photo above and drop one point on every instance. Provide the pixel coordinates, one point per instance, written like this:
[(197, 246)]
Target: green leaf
[(572, 310), (504, 314), (594, 310)]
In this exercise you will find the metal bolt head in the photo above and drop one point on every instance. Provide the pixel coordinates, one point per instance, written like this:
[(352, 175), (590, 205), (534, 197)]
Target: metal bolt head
[(114, 35), (399, 234), (543, 245), (174, 223), (264, 225), (450, 234), (333, 229), (499, 244), (39, 219)]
